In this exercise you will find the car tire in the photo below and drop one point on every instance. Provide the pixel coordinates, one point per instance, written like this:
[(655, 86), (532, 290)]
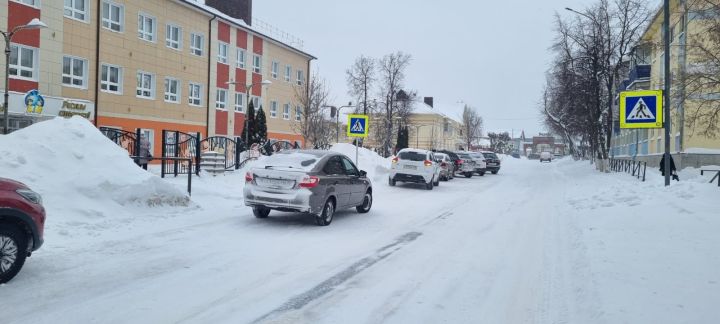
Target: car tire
[(327, 214), (261, 212), (13, 252), (468, 174), (429, 185), (437, 182), (482, 174), (495, 172), (391, 182), (367, 203)]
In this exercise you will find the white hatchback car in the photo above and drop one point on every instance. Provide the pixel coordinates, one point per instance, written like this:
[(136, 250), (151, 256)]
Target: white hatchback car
[(415, 165)]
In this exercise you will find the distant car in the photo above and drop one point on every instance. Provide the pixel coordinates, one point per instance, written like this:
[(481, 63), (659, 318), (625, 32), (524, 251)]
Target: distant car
[(307, 181), (415, 165), (492, 161), (546, 156), (516, 155), (480, 165), (456, 160), (447, 167), (533, 156), (22, 224), (467, 164)]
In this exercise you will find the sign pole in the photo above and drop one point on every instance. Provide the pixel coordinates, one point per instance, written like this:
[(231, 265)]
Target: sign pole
[(666, 92)]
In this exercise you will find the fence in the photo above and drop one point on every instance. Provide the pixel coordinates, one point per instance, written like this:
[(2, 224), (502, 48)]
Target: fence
[(125, 139), (717, 175), (176, 144), (634, 168)]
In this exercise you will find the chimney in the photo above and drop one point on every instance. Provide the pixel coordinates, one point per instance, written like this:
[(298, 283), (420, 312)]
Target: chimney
[(428, 101), (240, 9)]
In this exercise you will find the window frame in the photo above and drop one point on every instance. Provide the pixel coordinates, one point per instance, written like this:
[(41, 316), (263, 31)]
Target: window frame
[(240, 103), (35, 70), (119, 84), (300, 77), (168, 33), (223, 57), (36, 3), (273, 109), (221, 105), (286, 111), (138, 87), (84, 77), (168, 94), (143, 34), (275, 69), (298, 113), (257, 64), (74, 11), (197, 51), (199, 98), (288, 73), (103, 20), (241, 64)]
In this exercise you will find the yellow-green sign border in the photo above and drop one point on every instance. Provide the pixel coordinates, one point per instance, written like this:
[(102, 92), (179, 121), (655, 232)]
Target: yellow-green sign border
[(367, 125), (660, 116)]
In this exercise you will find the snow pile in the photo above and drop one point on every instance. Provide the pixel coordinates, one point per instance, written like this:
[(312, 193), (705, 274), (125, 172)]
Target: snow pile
[(74, 166), (375, 165)]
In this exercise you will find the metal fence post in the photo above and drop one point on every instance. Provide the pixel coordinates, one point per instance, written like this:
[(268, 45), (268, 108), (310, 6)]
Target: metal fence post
[(177, 152), (189, 178), (137, 145), (197, 154), (163, 153), (237, 153)]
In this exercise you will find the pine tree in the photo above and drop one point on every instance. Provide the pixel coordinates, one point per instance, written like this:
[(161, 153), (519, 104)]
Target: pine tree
[(249, 129), (406, 137), (260, 126)]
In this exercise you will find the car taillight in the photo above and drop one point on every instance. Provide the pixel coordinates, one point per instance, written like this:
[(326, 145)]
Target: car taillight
[(248, 177), (309, 182), (395, 159), (458, 162), (428, 163)]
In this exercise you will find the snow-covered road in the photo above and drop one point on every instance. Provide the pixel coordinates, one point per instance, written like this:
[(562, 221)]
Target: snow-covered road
[(539, 243)]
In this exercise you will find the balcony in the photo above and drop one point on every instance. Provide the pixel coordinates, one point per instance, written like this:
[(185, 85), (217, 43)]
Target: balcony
[(639, 73)]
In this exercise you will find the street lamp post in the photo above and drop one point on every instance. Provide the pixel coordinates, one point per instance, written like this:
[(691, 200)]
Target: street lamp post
[(247, 105), (33, 24), (337, 119)]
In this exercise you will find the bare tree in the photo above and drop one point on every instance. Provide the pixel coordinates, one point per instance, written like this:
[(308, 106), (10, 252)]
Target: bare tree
[(392, 77), (360, 79), (315, 125), (472, 126), (701, 82)]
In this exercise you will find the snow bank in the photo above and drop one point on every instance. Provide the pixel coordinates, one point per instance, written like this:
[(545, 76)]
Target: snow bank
[(375, 165), (74, 166)]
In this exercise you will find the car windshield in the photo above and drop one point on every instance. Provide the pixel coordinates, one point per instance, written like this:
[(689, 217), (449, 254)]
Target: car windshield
[(412, 156)]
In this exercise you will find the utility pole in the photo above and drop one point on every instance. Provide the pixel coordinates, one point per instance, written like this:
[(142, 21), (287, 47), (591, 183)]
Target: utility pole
[(666, 90)]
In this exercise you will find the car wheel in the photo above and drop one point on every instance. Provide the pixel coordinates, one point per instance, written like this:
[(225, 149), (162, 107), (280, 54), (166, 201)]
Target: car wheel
[(482, 174), (429, 185), (437, 182), (326, 216), (468, 174), (391, 182), (261, 212), (13, 252), (495, 172), (367, 203)]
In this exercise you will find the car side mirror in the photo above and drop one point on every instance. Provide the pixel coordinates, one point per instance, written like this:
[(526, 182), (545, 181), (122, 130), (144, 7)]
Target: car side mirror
[(363, 173)]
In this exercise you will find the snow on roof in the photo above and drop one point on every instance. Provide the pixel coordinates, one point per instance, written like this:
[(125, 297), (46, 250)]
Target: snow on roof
[(200, 4), (423, 108)]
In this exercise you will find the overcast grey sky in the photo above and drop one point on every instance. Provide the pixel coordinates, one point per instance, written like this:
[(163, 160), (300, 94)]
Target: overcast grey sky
[(490, 54)]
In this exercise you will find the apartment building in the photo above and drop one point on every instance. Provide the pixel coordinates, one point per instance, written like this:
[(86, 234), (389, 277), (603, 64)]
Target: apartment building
[(151, 64), (688, 23)]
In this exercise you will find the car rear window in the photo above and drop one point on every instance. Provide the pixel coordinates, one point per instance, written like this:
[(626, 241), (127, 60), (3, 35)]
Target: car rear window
[(294, 160), (490, 155), (412, 156), (463, 156)]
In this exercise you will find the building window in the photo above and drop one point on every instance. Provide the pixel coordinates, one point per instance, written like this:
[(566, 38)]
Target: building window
[(288, 73), (145, 85), (257, 64), (76, 9), (222, 56), (286, 111), (240, 102), (111, 79), (113, 16), (221, 99), (195, 94), (298, 113), (275, 69), (273, 109), (23, 62), (173, 36), (240, 58), (74, 72), (196, 44), (172, 90), (255, 101), (149, 135), (300, 77), (146, 27), (34, 3)]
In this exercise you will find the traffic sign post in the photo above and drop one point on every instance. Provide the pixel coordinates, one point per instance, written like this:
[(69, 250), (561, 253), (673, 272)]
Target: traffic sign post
[(358, 126), (641, 109)]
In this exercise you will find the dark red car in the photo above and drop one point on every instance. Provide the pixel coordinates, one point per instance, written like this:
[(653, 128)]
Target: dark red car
[(22, 221)]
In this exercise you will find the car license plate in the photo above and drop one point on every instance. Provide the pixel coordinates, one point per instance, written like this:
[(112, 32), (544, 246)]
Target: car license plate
[(410, 167), (492, 164), (274, 183)]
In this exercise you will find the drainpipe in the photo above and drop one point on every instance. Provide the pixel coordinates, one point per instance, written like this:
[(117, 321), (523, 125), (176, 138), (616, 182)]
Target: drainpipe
[(209, 74), (98, 16)]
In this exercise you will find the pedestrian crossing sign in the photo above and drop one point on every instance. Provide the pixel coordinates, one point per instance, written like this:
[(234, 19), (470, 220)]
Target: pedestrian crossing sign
[(357, 126), (641, 109)]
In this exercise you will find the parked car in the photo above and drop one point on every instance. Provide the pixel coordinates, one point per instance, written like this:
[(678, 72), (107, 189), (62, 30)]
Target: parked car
[(516, 155), (22, 224), (467, 164), (307, 181), (415, 165), (480, 165), (492, 161), (546, 156), (447, 167), (456, 160)]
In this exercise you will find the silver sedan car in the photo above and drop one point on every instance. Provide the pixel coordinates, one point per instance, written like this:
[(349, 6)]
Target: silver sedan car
[(307, 181)]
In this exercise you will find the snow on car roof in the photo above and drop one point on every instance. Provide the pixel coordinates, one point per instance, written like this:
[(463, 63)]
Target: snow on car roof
[(292, 160)]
